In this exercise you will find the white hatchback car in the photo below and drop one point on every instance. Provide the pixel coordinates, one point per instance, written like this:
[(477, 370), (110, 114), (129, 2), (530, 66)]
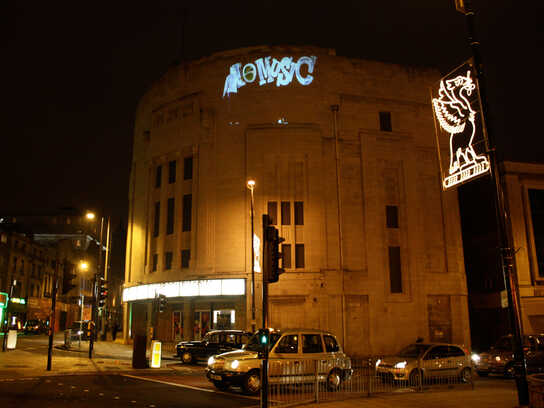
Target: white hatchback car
[(296, 356)]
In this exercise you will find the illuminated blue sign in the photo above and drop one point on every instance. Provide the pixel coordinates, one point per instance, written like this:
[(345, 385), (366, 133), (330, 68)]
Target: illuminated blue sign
[(269, 70)]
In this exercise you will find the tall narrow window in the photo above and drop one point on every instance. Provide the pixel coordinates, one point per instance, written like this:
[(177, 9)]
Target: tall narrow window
[(157, 221), (185, 257), (395, 274), (188, 168), (187, 210), (299, 213), (158, 176), (299, 256), (273, 212), (172, 172), (170, 216), (392, 216), (286, 259), (285, 213), (155, 262), (168, 260), (385, 122)]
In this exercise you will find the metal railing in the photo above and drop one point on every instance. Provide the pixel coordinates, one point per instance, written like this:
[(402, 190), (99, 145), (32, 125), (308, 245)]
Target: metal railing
[(306, 381)]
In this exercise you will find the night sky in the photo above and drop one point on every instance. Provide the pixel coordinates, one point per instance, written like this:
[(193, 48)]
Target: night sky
[(76, 70)]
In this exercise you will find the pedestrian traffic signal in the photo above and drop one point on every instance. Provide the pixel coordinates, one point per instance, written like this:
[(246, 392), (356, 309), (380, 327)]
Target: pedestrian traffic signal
[(163, 302), (272, 255), (263, 336), (102, 292)]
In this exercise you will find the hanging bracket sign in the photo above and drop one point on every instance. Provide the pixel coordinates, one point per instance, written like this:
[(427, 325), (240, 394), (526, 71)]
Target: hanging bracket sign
[(457, 110)]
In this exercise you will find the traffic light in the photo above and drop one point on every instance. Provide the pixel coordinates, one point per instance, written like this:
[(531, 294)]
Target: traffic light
[(272, 255), (163, 302), (67, 284), (102, 292), (263, 336)]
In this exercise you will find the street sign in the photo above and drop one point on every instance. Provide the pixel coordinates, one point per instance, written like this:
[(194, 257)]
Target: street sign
[(460, 126), (3, 300)]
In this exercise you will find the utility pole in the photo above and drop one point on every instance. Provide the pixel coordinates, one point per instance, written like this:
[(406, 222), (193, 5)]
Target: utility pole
[(506, 251), (52, 321)]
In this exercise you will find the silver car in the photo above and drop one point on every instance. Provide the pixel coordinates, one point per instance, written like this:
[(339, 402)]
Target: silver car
[(296, 356), (419, 362)]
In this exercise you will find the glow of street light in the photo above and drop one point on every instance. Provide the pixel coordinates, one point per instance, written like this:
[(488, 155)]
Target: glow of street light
[(90, 216), (251, 184), (83, 265)]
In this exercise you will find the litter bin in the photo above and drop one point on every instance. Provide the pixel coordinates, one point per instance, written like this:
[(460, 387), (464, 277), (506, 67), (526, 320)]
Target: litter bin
[(536, 390), (68, 338), (139, 359), (12, 339)]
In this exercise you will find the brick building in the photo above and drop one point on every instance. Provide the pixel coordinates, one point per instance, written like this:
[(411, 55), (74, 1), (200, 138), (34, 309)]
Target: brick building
[(343, 154)]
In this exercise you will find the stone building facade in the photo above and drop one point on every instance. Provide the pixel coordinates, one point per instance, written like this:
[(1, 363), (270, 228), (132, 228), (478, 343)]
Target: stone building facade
[(343, 154)]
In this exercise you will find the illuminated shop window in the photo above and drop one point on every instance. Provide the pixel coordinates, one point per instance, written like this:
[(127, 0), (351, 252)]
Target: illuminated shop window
[(158, 176), (187, 211), (155, 262), (170, 216), (285, 213), (392, 216), (395, 273), (273, 212), (185, 257), (172, 172), (157, 221), (299, 255), (385, 122), (188, 168), (168, 260), (286, 259)]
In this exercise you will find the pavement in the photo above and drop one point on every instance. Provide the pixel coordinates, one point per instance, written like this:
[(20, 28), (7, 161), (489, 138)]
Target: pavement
[(115, 358)]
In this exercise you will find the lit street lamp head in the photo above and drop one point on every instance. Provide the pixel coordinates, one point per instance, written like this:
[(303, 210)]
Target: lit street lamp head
[(90, 216), (83, 265), (251, 184)]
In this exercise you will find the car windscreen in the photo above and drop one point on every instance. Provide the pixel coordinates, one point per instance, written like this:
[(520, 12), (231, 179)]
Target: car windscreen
[(414, 350), (254, 345)]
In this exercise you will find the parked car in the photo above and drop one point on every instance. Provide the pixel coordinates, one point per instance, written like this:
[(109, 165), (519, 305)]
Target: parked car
[(292, 358), (500, 358), (423, 361), (214, 342), (35, 326), (81, 329)]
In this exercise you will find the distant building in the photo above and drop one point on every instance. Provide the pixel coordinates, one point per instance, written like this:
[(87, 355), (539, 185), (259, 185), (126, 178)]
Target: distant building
[(344, 157), (524, 193)]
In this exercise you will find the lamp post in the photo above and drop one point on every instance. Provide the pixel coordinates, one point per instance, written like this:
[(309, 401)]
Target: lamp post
[(83, 266), (251, 186)]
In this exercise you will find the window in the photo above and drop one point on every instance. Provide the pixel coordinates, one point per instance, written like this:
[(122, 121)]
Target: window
[(536, 202), (311, 343), (168, 260), (299, 213), (273, 212), (299, 256), (172, 172), (187, 210), (155, 262), (185, 257), (14, 263), (157, 221), (330, 344), (385, 122), (188, 168), (286, 259), (288, 344), (158, 176), (456, 352), (170, 217), (285, 213), (437, 352), (392, 216), (395, 275)]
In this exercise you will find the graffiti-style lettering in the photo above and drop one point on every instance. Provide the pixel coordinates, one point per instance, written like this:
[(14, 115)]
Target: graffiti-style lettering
[(268, 70)]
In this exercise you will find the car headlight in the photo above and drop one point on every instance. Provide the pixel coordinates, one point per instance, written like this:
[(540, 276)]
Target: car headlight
[(475, 358), (378, 362), (211, 360), (402, 364), (234, 364)]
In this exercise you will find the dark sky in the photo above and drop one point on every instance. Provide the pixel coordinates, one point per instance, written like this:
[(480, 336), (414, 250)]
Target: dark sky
[(75, 72)]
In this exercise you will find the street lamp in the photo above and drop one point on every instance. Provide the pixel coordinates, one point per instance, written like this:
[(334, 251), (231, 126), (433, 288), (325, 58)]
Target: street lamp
[(251, 185)]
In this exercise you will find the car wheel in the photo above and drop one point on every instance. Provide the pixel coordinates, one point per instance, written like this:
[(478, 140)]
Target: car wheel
[(252, 382), (416, 378), (220, 385), (333, 380), (482, 373), (510, 371), (466, 375), (186, 357)]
